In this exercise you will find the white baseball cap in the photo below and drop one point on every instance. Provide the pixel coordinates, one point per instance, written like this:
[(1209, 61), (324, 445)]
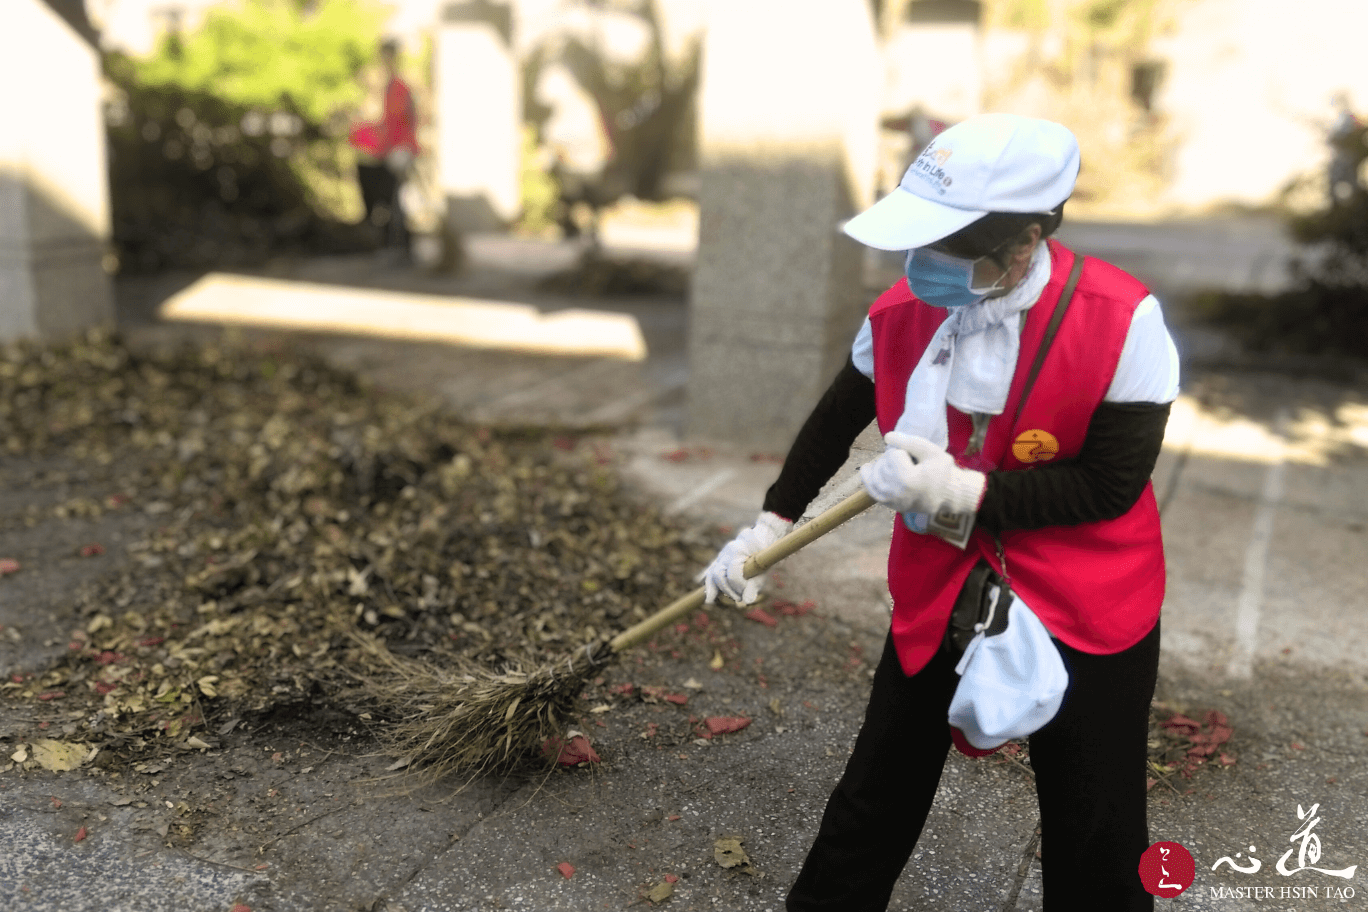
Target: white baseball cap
[(988, 163)]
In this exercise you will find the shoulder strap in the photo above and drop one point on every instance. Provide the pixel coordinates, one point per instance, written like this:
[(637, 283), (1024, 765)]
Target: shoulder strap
[(1050, 332)]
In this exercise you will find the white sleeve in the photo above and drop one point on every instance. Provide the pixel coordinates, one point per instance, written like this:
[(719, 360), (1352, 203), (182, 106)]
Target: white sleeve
[(862, 350), (1148, 368)]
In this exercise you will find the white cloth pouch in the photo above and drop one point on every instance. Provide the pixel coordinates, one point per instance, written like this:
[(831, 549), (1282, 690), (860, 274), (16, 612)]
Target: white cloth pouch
[(1011, 684)]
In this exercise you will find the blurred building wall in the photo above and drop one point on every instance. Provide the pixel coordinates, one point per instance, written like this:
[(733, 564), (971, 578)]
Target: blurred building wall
[(54, 196), (134, 26), (478, 93), (933, 59), (1247, 93), (1240, 104), (935, 67), (788, 112)]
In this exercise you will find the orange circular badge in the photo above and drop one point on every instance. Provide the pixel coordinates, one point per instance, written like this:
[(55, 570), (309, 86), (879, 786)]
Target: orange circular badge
[(1035, 446)]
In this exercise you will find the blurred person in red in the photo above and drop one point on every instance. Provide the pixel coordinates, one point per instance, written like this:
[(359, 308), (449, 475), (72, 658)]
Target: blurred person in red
[(387, 150)]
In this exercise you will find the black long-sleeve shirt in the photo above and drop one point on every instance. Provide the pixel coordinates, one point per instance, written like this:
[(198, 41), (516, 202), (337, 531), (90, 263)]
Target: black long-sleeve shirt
[(1102, 482)]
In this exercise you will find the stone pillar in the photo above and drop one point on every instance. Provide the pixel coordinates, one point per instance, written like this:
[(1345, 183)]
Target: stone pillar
[(788, 127), (479, 115), (54, 195)]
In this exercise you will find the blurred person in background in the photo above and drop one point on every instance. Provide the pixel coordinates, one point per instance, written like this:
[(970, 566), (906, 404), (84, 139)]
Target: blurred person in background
[(1051, 496), (386, 151), (1344, 156)]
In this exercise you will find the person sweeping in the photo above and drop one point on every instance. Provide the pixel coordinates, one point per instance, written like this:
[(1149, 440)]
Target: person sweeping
[(1022, 391)]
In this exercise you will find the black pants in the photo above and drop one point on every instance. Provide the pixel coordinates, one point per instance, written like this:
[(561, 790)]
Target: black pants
[(380, 191), (1089, 763)]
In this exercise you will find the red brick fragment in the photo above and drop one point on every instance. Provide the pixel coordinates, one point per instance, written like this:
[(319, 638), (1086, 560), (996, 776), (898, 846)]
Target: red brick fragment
[(571, 753), (725, 725), (792, 609), (659, 693), (761, 616)]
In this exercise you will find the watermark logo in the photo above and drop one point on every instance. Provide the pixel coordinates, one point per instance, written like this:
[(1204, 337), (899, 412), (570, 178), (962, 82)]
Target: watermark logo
[(1167, 869), (1308, 852)]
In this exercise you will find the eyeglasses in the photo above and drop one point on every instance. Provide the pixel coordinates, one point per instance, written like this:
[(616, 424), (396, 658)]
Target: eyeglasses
[(965, 250)]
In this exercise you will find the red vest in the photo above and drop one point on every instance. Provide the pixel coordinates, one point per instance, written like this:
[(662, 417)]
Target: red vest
[(1097, 586), (399, 126)]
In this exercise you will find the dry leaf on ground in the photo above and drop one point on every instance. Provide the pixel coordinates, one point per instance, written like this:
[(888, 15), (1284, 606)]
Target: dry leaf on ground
[(660, 892), (729, 852), (59, 756)]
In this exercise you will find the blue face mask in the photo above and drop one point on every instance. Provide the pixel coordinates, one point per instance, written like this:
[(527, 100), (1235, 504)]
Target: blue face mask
[(943, 280)]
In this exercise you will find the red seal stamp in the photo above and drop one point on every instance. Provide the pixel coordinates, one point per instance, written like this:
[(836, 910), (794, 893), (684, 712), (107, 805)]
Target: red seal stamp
[(1167, 869)]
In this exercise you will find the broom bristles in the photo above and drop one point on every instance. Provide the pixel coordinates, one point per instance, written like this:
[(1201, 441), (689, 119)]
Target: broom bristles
[(464, 719)]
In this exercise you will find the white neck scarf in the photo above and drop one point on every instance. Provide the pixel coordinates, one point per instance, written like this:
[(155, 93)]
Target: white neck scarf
[(971, 358)]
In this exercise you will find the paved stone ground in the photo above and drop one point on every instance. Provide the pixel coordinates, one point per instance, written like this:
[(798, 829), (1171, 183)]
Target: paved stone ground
[(1262, 484)]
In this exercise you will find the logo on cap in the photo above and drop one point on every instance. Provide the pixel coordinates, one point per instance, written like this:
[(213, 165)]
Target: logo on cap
[(929, 167), (1035, 446)]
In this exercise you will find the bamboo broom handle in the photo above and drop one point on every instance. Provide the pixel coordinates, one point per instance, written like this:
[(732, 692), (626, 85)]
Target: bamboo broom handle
[(803, 535)]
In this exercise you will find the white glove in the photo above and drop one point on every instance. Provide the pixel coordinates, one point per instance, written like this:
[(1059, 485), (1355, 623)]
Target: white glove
[(915, 476), (725, 575)]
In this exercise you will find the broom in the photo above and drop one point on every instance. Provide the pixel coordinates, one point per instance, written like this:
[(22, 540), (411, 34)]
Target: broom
[(470, 720)]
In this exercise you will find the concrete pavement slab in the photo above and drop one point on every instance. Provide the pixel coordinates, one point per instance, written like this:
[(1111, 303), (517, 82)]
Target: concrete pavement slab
[(45, 870), (1206, 536)]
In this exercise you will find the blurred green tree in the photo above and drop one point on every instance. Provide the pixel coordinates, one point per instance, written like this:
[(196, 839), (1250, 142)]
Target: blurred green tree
[(300, 56), (226, 143)]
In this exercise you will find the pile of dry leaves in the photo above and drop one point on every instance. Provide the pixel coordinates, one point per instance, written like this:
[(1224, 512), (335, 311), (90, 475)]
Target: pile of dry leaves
[(1180, 745), (296, 507)]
